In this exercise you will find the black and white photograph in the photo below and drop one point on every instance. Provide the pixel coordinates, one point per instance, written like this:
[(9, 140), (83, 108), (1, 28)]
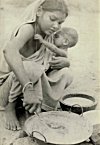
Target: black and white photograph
[(49, 72)]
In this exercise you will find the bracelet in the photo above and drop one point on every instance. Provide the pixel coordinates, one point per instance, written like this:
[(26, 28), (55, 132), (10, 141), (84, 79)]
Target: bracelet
[(23, 90)]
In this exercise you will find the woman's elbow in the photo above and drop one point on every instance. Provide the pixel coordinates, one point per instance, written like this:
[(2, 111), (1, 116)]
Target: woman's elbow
[(8, 48), (5, 50)]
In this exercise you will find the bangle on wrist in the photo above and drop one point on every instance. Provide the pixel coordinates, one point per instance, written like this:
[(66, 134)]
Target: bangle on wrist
[(24, 88)]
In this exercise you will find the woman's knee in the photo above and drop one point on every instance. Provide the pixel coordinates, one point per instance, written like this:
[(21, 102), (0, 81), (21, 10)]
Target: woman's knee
[(67, 75)]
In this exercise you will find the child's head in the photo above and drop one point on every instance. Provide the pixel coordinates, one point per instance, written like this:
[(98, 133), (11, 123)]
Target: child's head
[(51, 14), (66, 37)]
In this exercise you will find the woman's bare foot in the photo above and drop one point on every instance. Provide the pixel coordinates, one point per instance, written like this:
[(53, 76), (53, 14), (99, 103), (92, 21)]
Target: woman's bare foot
[(11, 121)]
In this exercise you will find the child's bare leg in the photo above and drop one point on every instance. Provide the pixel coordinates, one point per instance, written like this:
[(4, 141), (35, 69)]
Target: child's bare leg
[(12, 122)]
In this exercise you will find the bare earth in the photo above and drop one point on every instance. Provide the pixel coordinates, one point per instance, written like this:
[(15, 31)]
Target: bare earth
[(84, 57)]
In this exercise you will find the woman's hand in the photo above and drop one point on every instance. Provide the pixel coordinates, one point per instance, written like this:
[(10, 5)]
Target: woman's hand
[(30, 95), (31, 101), (31, 108), (59, 62)]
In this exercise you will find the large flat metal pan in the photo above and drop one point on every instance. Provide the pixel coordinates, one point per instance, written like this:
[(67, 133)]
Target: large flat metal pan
[(93, 116), (58, 127)]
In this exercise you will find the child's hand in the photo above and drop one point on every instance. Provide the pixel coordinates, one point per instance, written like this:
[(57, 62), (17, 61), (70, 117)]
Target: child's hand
[(38, 37)]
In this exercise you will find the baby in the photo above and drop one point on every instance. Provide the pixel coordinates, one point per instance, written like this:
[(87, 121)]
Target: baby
[(63, 39)]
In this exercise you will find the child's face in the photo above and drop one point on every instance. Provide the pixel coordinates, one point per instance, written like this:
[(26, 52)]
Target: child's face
[(59, 40), (50, 22)]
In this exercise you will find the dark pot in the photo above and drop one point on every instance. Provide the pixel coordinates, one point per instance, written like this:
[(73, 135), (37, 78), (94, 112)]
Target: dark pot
[(77, 108)]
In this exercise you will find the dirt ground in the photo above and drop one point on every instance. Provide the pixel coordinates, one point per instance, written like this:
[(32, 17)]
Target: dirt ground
[(84, 57)]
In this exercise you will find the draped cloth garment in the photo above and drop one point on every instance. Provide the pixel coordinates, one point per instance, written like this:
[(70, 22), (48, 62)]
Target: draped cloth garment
[(50, 87)]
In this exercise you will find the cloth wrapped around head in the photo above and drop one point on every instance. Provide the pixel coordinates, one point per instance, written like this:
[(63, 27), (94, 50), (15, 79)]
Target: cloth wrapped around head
[(30, 13), (58, 5), (49, 5)]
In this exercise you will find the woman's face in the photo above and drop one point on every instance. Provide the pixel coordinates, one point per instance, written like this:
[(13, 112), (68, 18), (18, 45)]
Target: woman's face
[(50, 22)]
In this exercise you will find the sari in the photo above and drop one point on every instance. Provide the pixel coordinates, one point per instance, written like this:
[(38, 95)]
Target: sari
[(50, 86)]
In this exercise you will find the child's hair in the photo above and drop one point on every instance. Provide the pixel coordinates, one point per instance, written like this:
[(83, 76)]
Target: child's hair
[(71, 33), (52, 5)]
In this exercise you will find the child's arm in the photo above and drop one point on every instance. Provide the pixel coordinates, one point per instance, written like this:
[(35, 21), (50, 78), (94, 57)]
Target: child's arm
[(51, 46)]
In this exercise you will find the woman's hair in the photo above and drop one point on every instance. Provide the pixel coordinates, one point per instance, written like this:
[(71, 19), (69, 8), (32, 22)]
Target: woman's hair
[(52, 5), (71, 33)]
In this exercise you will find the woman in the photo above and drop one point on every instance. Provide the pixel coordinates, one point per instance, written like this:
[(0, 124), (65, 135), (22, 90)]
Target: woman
[(28, 60)]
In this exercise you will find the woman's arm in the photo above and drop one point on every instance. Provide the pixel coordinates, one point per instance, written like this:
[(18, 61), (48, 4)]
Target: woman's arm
[(13, 58), (52, 47), (12, 55), (59, 62)]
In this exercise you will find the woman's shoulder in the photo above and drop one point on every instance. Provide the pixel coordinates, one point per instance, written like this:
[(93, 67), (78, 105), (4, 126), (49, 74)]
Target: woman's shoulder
[(27, 29), (25, 33)]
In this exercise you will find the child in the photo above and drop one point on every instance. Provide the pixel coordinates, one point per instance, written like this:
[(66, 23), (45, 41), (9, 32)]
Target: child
[(63, 39)]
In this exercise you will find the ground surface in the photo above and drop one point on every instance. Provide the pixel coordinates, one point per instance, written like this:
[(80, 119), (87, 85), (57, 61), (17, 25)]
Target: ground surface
[(84, 57)]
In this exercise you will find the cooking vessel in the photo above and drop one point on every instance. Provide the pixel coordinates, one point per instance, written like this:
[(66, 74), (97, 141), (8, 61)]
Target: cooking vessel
[(87, 102), (58, 127)]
